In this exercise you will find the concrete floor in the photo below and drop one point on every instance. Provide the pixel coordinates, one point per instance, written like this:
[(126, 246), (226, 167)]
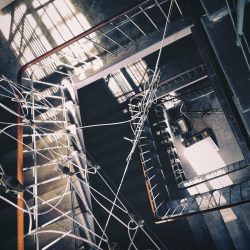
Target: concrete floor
[(229, 150)]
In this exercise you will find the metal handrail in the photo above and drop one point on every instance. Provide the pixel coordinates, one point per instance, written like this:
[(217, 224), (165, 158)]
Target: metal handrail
[(173, 78), (81, 58), (232, 195), (213, 174), (75, 39), (179, 172)]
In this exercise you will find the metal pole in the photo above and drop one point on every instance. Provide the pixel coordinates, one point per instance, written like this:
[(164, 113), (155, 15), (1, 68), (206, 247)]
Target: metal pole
[(20, 203)]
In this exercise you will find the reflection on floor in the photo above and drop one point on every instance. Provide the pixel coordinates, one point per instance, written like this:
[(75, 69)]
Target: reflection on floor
[(197, 154)]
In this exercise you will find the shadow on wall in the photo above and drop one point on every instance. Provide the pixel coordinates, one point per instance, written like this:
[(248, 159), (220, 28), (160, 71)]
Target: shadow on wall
[(31, 28), (9, 65)]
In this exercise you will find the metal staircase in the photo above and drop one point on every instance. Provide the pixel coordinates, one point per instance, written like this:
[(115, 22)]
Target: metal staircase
[(154, 177), (167, 141), (104, 43), (209, 201), (55, 165), (182, 80), (237, 166), (203, 193)]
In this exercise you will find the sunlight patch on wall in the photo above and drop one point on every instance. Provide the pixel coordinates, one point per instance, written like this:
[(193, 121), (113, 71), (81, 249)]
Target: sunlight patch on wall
[(171, 100), (228, 215), (5, 29), (223, 181), (120, 87), (66, 24), (120, 84), (201, 188), (138, 72), (23, 34), (40, 25), (203, 157)]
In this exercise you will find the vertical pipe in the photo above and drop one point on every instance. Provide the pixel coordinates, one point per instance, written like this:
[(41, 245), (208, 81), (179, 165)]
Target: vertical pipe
[(35, 174), (20, 215)]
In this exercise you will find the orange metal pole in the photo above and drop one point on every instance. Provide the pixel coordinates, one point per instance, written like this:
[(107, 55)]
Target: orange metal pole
[(149, 197), (20, 203)]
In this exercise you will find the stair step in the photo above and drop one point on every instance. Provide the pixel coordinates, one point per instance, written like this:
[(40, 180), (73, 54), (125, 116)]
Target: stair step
[(202, 235)]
